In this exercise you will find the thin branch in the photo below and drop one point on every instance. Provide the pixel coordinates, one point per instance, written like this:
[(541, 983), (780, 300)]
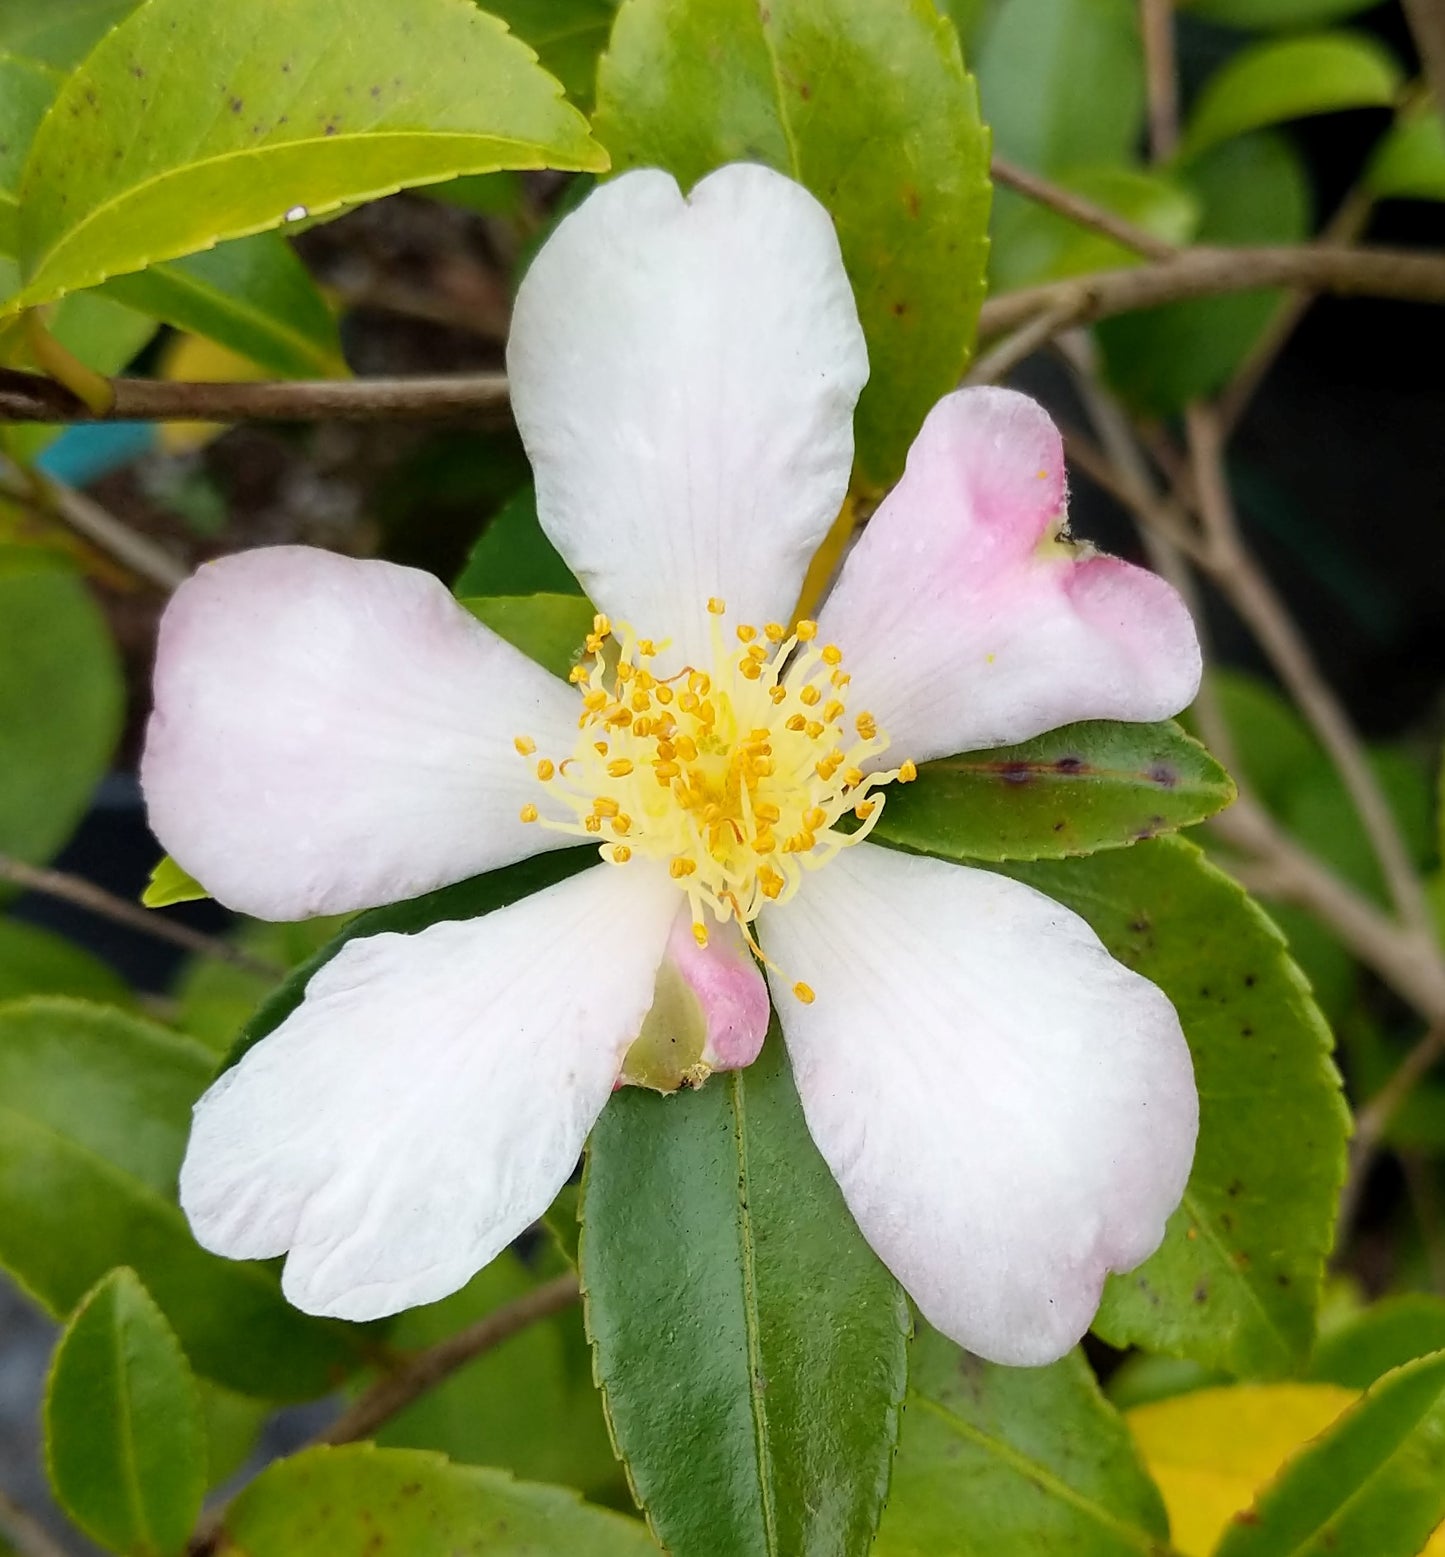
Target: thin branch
[(1236, 571), (999, 361), (395, 1391), (1208, 272), (1344, 227), (37, 492), (85, 894), (1427, 26), (30, 1537), (29, 397), (1156, 18), (1373, 1120), (1081, 211)]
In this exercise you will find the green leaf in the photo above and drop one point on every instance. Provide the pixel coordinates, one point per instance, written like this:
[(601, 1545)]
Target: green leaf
[(1262, 15), (1409, 162), (314, 105), (466, 900), (39, 962), (1098, 785), (528, 1406), (1011, 1462), (233, 1424), (252, 295), (1251, 190), (1293, 78), (61, 702), (1063, 83), (169, 884), (59, 35), (864, 101), (26, 89), (1236, 1282), (548, 628), (1032, 244), (358, 1499), (1386, 1335), (1374, 1482), (514, 556), (94, 1110), (124, 1438), (750, 1346), (568, 36)]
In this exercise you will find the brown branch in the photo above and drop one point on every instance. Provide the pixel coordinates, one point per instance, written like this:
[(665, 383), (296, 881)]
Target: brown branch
[(1081, 211), (85, 894), (1208, 272), (29, 397), (30, 1537), (1156, 22), (1427, 26), (395, 1391), (999, 361), (1234, 568)]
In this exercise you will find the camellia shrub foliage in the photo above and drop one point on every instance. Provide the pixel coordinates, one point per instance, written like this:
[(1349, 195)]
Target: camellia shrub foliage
[(742, 1026)]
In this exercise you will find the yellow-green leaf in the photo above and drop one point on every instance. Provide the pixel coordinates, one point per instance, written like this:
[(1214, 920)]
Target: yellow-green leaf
[(303, 106)]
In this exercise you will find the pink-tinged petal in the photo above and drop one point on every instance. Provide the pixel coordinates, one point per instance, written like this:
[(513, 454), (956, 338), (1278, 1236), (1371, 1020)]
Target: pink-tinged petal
[(965, 624), (331, 734), (429, 1097), (1010, 1113), (710, 1010), (683, 373)]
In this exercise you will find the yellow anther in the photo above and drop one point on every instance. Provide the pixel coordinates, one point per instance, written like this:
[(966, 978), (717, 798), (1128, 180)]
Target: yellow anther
[(646, 648), (815, 818), (745, 633), (688, 702), (832, 654), (642, 727), (666, 771), (907, 771), (666, 750), (866, 725), (529, 813), (864, 809), (663, 695), (620, 854), (775, 632), (853, 777), (804, 993), (758, 652), (622, 825), (577, 675), (707, 714), (699, 933), (593, 643), (840, 679), (605, 805), (766, 811), (770, 881), (810, 696), (763, 767), (795, 722), (751, 669), (806, 631), (620, 716), (778, 694), (686, 748), (593, 824), (681, 866), (601, 626), (641, 702), (715, 605), (595, 700), (525, 745), (625, 672), (545, 770), (600, 747), (814, 728), (831, 710)]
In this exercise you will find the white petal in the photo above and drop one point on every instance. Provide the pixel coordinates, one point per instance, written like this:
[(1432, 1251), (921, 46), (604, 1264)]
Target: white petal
[(684, 373), (964, 626), (331, 734), (1010, 1113), (429, 1097)]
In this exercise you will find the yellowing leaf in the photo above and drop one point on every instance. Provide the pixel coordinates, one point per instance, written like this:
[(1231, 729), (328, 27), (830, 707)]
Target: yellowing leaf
[(1210, 1452)]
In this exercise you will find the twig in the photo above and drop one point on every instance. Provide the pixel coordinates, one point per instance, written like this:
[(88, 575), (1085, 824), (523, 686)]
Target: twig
[(1161, 74), (97, 525), (395, 1391), (1207, 272), (85, 894), (1081, 211), (30, 1537), (998, 362), (29, 397), (1344, 227), (1234, 569), (1373, 1120), (1427, 26)]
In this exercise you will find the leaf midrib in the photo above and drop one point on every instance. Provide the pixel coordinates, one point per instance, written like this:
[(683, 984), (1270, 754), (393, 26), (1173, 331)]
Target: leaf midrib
[(762, 1440), (67, 239), (1042, 1475)]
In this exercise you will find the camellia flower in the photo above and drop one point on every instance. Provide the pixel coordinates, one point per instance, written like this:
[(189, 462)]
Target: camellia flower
[(1010, 1113)]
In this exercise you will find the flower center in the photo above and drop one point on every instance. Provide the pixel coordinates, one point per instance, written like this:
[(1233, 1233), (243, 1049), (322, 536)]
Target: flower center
[(736, 777)]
